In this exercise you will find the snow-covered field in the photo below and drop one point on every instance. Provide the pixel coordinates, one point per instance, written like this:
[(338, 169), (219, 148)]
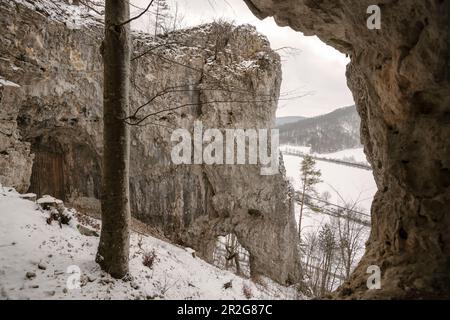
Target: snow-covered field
[(350, 183), (350, 155), (353, 184), (45, 261), (355, 155), (285, 147)]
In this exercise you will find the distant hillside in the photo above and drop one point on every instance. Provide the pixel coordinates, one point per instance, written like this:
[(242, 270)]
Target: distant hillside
[(285, 120), (327, 133)]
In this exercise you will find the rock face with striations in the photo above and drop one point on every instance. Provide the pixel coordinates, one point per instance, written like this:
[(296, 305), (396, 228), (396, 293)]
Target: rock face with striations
[(400, 79), (224, 76)]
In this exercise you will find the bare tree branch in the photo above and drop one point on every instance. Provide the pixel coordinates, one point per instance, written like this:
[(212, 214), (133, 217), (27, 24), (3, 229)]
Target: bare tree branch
[(140, 8), (219, 85), (136, 17), (87, 4), (176, 89), (196, 104)]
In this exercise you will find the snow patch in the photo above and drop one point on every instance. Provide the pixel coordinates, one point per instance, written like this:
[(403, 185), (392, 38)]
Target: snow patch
[(73, 16), (7, 83), (48, 199)]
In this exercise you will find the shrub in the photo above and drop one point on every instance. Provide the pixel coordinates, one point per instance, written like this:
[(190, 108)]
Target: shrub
[(247, 291), (149, 258)]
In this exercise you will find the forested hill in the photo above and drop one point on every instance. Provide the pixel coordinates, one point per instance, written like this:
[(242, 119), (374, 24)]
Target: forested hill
[(327, 133), (285, 120)]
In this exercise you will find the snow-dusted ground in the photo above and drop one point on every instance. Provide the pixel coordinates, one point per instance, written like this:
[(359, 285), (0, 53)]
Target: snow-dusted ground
[(52, 255)]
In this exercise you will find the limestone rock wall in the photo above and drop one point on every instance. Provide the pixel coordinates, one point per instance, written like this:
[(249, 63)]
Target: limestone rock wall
[(57, 111), (400, 79)]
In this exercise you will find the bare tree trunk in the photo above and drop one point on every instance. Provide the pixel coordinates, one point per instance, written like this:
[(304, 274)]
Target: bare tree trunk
[(175, 17), (156, 19), (238, 264), (113, 249)]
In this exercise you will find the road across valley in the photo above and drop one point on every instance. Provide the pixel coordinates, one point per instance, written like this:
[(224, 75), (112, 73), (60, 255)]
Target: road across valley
[(341, 162)]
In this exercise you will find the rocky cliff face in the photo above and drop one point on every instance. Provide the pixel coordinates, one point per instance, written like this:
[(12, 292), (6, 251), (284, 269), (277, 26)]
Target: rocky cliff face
[(399, 77), (201, 74)]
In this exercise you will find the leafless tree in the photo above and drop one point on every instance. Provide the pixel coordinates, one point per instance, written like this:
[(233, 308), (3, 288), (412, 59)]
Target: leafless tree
[(331, 252), (96, 6), (320, 255), (349, 233), (113, 249), (310, 250), (178, 17), (327, 245), (162, 16), (232, 253)]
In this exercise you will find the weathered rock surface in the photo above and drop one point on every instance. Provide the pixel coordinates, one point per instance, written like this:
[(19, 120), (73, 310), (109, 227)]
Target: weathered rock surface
[(400, 79), (58, 111)]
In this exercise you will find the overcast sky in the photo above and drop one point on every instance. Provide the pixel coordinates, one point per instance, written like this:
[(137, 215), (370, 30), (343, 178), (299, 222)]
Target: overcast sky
[(317, 68)]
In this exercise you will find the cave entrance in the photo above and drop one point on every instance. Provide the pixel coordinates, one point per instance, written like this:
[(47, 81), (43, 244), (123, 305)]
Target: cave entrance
[(66, 167), (230, 255), (47, 176)]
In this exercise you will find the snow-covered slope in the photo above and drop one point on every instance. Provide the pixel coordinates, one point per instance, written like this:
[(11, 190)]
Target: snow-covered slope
[(44, 261), (74, 17)]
